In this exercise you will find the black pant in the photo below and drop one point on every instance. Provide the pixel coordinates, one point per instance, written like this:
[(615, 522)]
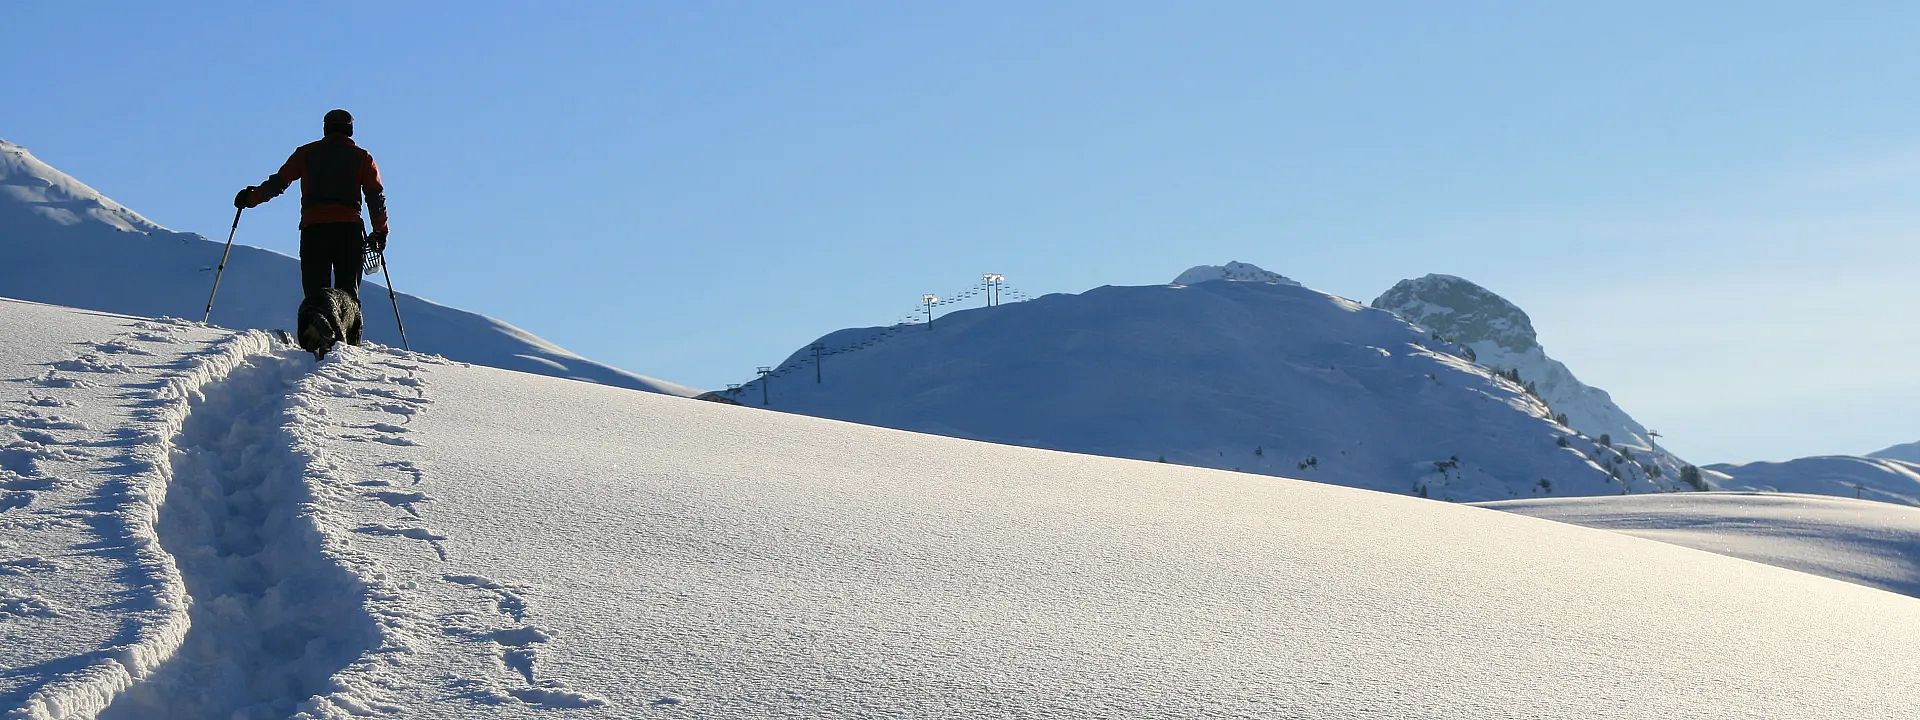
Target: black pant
[(331, 254)]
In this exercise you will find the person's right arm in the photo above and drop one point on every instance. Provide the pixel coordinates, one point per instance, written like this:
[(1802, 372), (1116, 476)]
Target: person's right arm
[(291, 170)]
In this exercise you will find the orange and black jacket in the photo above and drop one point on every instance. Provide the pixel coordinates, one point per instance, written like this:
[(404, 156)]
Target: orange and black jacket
[(333, 173)]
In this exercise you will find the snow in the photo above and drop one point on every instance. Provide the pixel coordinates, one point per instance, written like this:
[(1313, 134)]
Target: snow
[(29, 187), (1503, 337), (1868, 543), (1232, 271), (1269, 378), (95, 602), (537, 544), (1909, 452), (62, 242), (1886, 480)]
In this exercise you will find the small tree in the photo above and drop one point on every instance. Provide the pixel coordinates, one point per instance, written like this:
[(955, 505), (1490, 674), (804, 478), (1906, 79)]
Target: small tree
[(1606, 439), (1691, 476)]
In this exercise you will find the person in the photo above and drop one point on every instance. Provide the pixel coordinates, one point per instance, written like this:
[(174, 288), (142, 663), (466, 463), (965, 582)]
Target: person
[(334, 174)]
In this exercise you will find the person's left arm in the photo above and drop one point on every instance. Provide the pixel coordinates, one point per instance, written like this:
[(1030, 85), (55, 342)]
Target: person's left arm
[(376, 194)]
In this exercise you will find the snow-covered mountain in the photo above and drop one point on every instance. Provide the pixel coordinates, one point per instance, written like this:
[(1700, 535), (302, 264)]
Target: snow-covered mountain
[(1909, 452), (1238, 271), (197, 523), (1502, 337), (63, 242), (1261, 376), (1871, 478)]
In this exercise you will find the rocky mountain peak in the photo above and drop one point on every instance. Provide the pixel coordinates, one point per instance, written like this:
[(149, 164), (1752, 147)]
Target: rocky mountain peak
[(1459, 308)]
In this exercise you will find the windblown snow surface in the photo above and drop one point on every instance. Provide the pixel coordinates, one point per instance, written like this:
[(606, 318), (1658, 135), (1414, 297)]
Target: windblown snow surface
[(201, 524), (63, 242), (1260, 375), (1869, 543)]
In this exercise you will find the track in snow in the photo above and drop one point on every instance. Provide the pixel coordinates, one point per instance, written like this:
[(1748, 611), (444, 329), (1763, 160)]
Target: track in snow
[(272, 617)]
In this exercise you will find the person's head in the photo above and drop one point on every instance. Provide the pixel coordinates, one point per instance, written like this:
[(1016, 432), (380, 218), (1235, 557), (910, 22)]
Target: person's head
[(338, 122)]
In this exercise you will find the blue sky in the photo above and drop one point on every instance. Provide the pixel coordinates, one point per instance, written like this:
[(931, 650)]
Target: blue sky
[(1709, 210)]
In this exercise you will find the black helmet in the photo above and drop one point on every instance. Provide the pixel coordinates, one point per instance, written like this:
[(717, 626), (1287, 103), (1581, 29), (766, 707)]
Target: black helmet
[(338, 122)]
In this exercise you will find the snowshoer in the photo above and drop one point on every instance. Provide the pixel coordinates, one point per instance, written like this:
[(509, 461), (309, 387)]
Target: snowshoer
[(334, 174)]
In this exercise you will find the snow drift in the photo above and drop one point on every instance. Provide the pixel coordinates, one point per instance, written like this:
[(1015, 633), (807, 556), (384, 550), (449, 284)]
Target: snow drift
[(62, 242)]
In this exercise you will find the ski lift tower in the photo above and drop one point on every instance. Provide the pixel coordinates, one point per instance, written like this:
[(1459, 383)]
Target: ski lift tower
[(928, 300), (992, 281)]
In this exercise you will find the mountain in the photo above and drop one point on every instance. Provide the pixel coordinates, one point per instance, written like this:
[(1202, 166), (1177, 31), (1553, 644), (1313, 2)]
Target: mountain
[(1259, 376), (63, 242), (199, 523), (1238, 271), (1871, 478), (1501, 336), (1909, 452)]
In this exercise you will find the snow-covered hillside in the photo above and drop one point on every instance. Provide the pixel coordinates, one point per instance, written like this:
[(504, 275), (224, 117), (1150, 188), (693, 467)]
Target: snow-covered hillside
[(1909, 452), (1502, 337), (1895, 481), (62, 242), (1263, 377), (381, 536), (1868, 543)]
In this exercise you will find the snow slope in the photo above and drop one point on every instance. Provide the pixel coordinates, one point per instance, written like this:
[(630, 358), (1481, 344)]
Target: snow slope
[(388, 535), (62, 242), (1258, 376), (1894, 481), (1868, 543), (1909, 452), (1502, 337)]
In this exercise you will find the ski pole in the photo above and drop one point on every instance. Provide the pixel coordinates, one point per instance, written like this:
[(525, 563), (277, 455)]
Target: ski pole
[(223, 266), (395, 300)]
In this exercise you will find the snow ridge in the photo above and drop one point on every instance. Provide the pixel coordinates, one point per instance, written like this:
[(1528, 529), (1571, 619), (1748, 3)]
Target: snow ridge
[(135, 497), (56, 196)]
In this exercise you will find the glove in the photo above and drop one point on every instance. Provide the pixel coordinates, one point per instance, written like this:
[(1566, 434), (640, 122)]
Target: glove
[(377, 242), (245, 198)]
